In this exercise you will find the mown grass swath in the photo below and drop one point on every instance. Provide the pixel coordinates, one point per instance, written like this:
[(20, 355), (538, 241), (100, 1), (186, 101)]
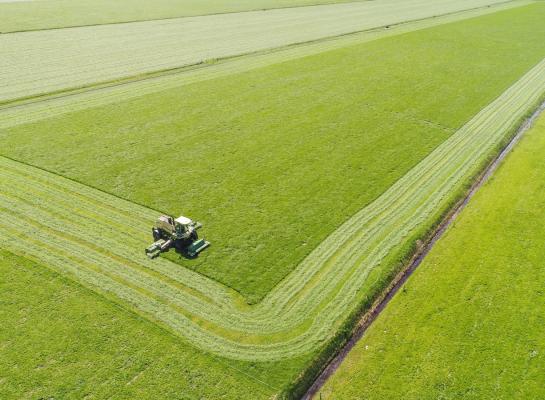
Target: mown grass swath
[(34, 15), (260, 157), (17, 113), (470, 320), (61, 340), (97, 239), (36, 63)]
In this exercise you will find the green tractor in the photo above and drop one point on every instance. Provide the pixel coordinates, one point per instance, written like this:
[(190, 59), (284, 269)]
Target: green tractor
[(180, 233)]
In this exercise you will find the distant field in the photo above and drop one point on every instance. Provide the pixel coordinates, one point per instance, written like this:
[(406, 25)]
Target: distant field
[(47, 14), (273, 160), (59, 340), (469, 323), (36, 63)]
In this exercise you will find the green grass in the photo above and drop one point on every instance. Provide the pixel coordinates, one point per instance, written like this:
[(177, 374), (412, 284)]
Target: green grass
[(47, 14), (59, 340), (38, 63), (469, 323), (108, 93), (274, 159), (97, 239)]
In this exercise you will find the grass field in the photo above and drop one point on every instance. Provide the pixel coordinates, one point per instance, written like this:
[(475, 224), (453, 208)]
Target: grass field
[(209, 128), (36, 63), (97, 239), (314, 178), (47, 14), (469, 322), (61, 341), (32, 109)]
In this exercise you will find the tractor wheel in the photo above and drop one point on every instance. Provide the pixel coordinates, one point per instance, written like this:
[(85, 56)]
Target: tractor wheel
[(156, 234), (194, 235)]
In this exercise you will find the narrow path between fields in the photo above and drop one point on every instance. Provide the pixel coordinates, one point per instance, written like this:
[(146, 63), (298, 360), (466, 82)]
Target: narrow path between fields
[(380, 304)]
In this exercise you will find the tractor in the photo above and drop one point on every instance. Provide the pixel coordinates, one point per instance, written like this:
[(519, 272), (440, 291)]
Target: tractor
[(180, 233)]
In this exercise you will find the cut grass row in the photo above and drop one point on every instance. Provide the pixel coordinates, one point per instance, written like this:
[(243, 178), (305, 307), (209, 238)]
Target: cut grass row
[(53, 105), (97, 239), (59, 340), (48, 14), (469, 322), (260, 157), (36, 63)]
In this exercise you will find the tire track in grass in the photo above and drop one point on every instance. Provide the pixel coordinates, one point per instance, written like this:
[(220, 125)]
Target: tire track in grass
[(81, 232)]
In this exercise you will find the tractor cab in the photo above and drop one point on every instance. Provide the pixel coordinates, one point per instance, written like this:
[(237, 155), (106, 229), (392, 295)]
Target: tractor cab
[(183, 225), (180, 233)]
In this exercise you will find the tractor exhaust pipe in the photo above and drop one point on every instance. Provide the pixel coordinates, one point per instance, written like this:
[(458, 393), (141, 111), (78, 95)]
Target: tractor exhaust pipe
[(165, 246)]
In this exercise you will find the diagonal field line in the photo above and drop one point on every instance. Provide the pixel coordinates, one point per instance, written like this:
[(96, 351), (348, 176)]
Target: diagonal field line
[(98, 240)]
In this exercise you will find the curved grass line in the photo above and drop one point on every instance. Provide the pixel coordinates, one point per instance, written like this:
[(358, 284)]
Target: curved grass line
[(81, 232)]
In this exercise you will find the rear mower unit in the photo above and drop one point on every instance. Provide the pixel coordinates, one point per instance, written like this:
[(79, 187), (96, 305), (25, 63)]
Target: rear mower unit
[(180, 233)]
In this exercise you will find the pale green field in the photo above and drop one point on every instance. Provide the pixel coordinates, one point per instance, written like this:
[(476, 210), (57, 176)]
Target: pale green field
[(47, 14), (98, 238), (469, 323), (35, 63), (99, 95)]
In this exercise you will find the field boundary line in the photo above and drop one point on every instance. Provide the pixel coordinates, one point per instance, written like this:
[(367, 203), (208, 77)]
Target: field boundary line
[(330, 3), (416, 260), (313, 46)]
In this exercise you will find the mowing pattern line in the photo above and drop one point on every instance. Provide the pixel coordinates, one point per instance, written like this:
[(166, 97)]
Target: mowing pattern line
[(37, 63), (51, 105), (98, 240)]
